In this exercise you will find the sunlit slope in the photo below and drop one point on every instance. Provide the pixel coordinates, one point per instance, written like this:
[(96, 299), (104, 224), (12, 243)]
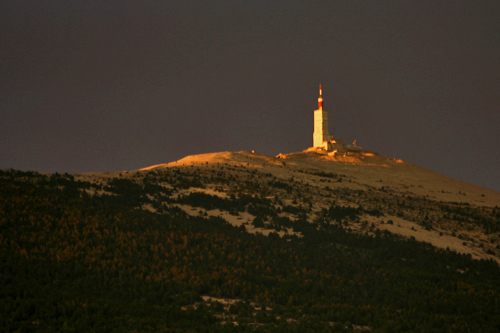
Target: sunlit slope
[(388, 194), (362, 168)]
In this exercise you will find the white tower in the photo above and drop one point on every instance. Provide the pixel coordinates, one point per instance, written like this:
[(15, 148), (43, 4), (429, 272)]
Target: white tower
[(321, 137)]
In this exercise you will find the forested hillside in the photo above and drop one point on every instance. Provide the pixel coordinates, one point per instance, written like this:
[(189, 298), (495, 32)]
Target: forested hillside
[(121, 254)]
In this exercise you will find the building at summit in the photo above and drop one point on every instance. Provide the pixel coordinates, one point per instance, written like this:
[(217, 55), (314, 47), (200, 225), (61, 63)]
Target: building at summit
[(321, 137)]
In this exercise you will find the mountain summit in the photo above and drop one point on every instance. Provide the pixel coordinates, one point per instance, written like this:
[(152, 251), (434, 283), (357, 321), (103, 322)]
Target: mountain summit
[(409, 200)]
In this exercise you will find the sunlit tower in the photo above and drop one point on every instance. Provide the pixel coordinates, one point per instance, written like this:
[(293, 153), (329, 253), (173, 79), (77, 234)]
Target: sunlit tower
[(321, 137)]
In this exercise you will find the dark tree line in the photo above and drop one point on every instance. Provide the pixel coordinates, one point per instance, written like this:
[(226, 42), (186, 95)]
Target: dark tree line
[(76, 261)]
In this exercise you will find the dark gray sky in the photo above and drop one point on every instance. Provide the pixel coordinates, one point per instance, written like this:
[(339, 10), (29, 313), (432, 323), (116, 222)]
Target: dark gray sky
[(119, 85)]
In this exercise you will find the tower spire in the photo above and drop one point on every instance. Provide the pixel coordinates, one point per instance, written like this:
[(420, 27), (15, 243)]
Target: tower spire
[(320, 99)]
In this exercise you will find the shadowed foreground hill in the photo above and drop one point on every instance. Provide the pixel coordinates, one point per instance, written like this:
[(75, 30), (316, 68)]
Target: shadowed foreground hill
[(242, 242)]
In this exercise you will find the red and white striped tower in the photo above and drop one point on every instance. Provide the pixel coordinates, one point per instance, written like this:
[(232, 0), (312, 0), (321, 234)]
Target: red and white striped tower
[(320, 99)]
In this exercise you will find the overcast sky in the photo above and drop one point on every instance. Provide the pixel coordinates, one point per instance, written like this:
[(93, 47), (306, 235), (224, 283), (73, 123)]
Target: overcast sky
[(120, 85)]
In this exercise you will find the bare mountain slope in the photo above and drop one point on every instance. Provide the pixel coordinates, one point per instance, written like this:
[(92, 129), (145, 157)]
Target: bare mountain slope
[(365, 168), (388, 194)]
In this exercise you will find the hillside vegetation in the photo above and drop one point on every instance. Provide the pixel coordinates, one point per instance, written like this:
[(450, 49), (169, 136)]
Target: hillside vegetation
[(243, 243)]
